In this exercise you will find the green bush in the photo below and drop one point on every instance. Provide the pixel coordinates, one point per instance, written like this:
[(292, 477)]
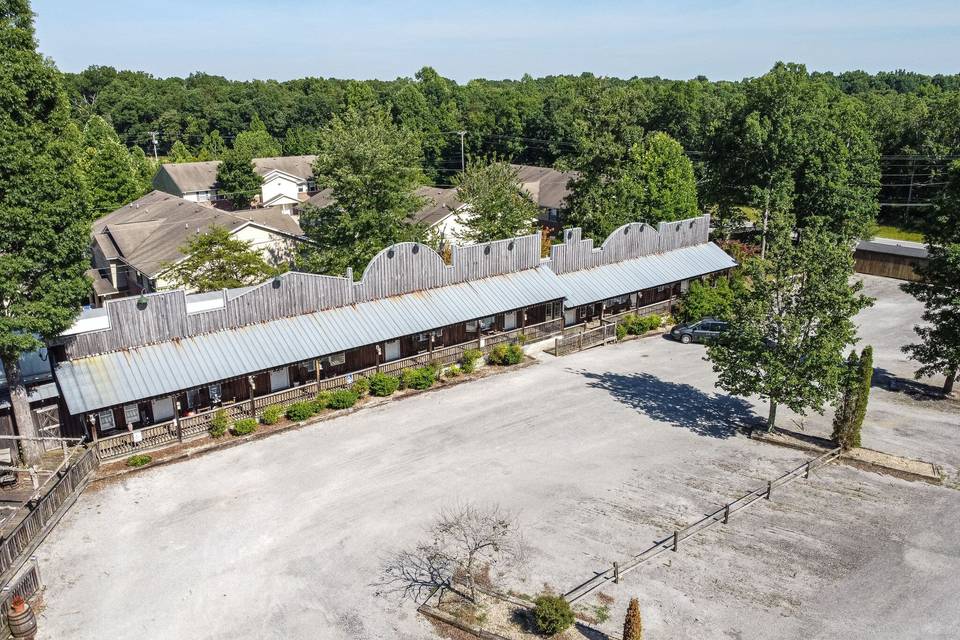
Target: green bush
[(219, 423), (300, 411), (637, 325), (469, 359), (454, 371), (139, 460), (383, 385), (704, 300), (420, 378), (321, 402), (361, 387), (506, 354), (244, 426), (621, 332), (272, 414), (342, 399), (552, 614)]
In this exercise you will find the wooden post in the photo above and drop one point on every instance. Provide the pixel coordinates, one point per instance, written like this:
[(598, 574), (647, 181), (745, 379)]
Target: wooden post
[(726, 513), (769, 488), (316, 372), (616, 573), (556, 346), (806, 473), (676, 539), (176, 422), (252, 387)]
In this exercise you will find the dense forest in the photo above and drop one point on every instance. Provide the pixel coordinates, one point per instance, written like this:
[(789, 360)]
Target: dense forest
[(907, 124)]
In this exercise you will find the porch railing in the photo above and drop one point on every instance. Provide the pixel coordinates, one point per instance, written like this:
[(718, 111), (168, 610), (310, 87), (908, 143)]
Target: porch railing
[(188, 427), (577, 340)]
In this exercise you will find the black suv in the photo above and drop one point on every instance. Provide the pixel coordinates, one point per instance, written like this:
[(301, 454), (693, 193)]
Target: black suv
[(702, 331)]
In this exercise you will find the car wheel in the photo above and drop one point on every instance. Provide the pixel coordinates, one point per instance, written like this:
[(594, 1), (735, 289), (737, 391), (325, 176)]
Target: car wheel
[(685, 338)]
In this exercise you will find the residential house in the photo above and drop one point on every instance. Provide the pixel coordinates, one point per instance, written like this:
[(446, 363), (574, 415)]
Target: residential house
[(133, 246), (549, 189), (287, 181)]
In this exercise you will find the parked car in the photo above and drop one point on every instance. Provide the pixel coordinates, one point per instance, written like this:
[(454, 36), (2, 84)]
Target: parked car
[(701, 331)]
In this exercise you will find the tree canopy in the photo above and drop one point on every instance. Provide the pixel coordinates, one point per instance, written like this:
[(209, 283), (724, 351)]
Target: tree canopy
[(237, 178), (373, 169), (44, 208), (111, 177), (215, 260), (792, 321), (497, 207)]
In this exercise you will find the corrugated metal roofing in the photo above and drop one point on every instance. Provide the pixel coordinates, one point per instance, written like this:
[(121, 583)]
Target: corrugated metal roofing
[(621, 278), (156, 370)]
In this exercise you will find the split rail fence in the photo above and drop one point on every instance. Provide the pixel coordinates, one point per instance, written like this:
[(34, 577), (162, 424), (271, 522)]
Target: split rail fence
[(190, 427), (720, 516)]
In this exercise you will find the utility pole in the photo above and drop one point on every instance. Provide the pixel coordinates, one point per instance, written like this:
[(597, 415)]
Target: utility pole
[(153, 136), (463, 158)]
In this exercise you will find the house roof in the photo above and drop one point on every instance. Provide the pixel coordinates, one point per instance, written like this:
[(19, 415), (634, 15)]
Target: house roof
[(441, 202), (190, 177), (148, 232), (620, 278), (546, 186), (133, 374)]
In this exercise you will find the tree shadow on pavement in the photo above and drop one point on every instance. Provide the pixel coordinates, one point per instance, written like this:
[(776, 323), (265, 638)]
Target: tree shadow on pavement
[(682, 405), (883, 379)]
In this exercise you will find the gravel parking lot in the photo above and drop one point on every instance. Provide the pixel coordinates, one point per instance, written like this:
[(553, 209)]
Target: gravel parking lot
[(598, 453)]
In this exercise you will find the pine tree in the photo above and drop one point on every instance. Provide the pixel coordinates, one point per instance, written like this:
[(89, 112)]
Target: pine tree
[(632, 625), (107, 167), (854, 394), (44, 211)]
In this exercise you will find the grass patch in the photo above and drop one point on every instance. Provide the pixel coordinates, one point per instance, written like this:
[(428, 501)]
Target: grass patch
[(138, 460), (897, 233)]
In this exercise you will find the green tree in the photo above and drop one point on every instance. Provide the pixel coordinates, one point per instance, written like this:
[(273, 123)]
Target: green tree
[(213, 147), (373, 168), (214, 260), (653, 182), (237, 179), (301, 141), (144, 169), (939, 289), (855, 382), (180, 153), (792, 321), (44, 211), (256, 142), (632, 624), (107, 167), (715, 299), (498, 207)]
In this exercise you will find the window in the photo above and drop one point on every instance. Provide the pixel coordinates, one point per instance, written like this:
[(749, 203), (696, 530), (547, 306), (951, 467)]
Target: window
[(302, 187), (311, 185), (215, 393), (661, 288), (310, 366), (423, 337), (131, 414), (472, 326), (203, 196), (337, 359), (106, 420), (486, 323), (193, 398)]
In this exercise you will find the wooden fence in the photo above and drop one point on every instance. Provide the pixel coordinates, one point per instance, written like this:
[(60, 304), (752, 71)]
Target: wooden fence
[(26, 584), (44, 511), (195, 426), (720, 516), (580, 338)]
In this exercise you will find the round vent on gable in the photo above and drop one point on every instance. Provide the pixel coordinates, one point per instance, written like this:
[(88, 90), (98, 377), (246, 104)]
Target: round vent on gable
[(416, 248), (486, 250), (390, 253)]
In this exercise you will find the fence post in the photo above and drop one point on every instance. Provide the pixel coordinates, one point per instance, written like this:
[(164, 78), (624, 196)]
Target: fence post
[(676, 539), (806, 474), (556, 347), (616, 573), (580, 341), (726, 513), (769, 488), (176, 423)]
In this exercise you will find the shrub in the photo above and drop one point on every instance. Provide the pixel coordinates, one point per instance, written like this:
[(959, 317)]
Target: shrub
[(138, 460), (321, 402), (632, 624), (300, 411), (621, 332), (272, 414), (468, 361), (506, 354), (552, 614), (219, 423), (704, 300), (420, 378), (637, 326), (383, 385), (454, 371), (244, 426), (343, 399), (361, 387)]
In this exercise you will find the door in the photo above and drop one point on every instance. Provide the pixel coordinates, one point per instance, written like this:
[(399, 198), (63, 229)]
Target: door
[(510, 321), (569, 317), (279, 379), (392, 351), (162, 409)]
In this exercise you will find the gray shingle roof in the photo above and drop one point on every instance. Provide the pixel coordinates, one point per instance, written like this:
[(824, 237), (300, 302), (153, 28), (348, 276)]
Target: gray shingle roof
[(189, 177)]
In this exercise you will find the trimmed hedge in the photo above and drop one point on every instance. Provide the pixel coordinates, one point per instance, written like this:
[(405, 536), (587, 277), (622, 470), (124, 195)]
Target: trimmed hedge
[(139, 460), (420, 378), (505, 355), (271, 414), (300, 411), (219, 423), (552, 614), (383, 385), (244, 426), (343, 399)]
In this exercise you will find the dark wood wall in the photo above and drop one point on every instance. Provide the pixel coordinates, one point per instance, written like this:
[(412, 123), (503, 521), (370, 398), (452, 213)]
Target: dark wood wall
[(887, 265)]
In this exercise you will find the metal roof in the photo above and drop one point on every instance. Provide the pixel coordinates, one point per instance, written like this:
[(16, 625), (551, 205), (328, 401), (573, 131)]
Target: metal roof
[(155, 370), (621, 278), (894, 247)]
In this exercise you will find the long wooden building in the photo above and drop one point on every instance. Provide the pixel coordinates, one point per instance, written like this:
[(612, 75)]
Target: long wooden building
[(150, 370)]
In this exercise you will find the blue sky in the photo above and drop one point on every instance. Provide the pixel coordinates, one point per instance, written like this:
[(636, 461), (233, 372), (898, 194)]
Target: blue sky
[(286, 39)]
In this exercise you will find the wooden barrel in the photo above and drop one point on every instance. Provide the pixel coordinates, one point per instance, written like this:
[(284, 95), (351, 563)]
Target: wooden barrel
[(23, 624)]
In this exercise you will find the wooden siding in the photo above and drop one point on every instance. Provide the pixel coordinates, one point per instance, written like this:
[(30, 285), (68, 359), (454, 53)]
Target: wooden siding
[(887, 265)]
